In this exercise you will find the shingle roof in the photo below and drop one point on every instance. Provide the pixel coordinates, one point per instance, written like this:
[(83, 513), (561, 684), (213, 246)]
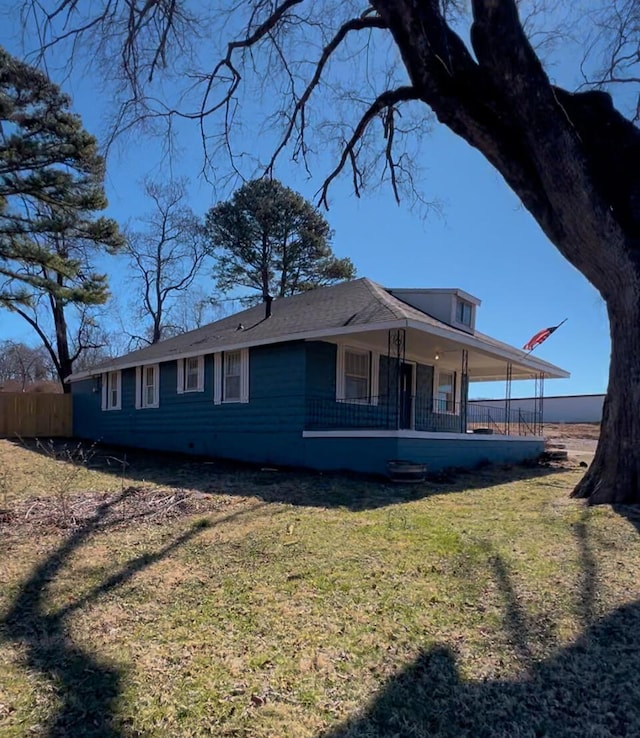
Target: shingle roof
[(359, 302)]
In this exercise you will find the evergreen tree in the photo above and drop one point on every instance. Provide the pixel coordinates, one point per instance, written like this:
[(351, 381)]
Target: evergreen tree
[(270, 239), (51, 184)]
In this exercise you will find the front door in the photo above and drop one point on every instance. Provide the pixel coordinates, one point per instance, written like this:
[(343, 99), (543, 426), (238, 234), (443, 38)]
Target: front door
[(406, 396)]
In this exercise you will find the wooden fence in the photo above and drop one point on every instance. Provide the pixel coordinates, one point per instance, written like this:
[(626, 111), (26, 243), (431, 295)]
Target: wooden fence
[(31, 415)]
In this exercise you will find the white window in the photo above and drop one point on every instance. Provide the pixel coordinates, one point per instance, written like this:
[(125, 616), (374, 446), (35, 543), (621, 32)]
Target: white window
[(112, 391), (147, 386), (191, 374), (464, 312), (357, 376), (231, 376), (444, 392)]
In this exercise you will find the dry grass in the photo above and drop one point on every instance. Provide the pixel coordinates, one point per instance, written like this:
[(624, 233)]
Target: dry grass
[(300, 605), (581, 431), (33, 469)]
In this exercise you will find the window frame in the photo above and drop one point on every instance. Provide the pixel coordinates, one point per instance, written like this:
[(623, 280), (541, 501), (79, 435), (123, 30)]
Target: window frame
[(225, 376), (219, 378), (142, 399), (182, 375), (372, 378), (463, 304), (437, 407), (108, 388)]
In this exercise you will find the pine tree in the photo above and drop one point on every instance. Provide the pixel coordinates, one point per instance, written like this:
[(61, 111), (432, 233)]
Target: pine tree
[(51, 184), (270, 239)]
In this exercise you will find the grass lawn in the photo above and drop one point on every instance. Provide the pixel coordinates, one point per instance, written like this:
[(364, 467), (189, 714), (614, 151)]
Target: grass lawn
[(168, 597)]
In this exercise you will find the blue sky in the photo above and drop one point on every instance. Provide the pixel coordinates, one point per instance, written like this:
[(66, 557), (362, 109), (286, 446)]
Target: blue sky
[(482, 241)]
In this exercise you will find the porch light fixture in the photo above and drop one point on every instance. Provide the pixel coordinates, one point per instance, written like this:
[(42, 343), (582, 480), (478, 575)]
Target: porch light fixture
[(438, 354)]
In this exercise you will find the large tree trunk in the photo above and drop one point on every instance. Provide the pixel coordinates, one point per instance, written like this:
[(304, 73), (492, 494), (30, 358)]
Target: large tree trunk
[(574, 162), (64, 364), (614, 474), (156, 333)]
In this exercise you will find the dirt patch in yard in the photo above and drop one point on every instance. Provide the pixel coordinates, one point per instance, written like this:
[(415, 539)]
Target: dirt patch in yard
[(578, 439), (584, 431)]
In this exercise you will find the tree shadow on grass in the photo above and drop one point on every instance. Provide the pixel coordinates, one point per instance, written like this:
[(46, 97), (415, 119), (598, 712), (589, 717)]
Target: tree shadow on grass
[(590, 689), (307, 488), (87, 689), (630, 512)]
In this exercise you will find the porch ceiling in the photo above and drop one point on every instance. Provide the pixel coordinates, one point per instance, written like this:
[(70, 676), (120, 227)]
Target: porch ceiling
[(487, 358)]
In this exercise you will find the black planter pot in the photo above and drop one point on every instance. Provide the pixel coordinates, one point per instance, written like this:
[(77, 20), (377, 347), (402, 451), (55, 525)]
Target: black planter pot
[(406, 471)]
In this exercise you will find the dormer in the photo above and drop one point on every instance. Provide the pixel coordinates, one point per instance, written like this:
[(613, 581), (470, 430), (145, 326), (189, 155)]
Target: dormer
[(453, 306)]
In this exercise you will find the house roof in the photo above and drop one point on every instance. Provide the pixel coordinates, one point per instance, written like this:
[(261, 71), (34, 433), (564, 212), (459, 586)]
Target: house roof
[(347, 307)]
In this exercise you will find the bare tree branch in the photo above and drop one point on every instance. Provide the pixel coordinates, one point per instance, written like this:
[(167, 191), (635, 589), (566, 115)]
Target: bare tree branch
[(33, 322), (356, 24), (386, 101), (167, 254)]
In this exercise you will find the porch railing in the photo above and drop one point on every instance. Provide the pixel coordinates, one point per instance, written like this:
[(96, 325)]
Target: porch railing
[(420, 413)]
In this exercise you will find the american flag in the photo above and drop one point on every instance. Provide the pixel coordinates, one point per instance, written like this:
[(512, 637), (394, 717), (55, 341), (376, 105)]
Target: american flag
[(540, 336)]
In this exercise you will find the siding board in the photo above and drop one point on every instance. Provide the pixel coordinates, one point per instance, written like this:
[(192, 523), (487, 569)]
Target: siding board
[(321, 370), (372, 454), (266, 429)]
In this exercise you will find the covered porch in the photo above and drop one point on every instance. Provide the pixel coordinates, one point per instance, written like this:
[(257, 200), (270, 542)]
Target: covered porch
[(417, 380)]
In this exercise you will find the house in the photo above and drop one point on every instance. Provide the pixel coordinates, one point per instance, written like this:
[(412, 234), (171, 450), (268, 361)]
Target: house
[(342, 377)]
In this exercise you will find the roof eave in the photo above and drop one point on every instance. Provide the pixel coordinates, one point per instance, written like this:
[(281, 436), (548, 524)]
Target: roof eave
[(302, 336), (467, 339), (550, 370)]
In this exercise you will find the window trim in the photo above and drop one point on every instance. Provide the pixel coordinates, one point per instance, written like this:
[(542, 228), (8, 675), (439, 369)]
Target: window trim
[(225, 376), (219, 378), (182, 375), (454, 317), (106, 390), (373, 379), (436, 382), (141, 387)]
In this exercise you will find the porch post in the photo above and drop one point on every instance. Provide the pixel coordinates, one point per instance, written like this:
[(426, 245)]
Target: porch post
[(464, 390), (539, 404), (507, 400), (397, 342), (388, 397)]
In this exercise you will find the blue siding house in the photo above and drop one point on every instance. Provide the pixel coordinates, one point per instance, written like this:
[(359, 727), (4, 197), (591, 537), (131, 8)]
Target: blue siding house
[(342, 377)]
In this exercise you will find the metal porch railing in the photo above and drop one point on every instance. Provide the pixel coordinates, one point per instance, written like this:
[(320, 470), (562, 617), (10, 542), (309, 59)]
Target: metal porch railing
[(420, 413)]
